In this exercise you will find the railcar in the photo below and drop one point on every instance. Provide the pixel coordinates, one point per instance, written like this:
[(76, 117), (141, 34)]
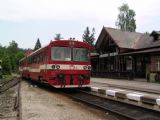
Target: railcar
[(61, 64)]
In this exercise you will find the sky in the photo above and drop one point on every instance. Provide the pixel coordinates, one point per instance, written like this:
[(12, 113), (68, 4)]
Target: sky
[(26, 20)]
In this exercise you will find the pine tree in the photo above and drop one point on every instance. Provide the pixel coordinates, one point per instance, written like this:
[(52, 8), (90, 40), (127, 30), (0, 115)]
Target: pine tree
[(13, 46), (89, 37), (38, 45)]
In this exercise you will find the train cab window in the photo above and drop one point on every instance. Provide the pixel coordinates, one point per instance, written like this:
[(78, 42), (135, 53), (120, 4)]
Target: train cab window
[(61, 53), (80, 54)]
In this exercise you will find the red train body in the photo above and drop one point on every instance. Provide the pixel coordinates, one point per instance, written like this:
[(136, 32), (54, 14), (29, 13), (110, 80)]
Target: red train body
[(63, 63)]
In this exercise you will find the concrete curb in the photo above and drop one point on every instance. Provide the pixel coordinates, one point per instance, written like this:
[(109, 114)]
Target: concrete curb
[(130, 96), (149, 99), (158, 101)]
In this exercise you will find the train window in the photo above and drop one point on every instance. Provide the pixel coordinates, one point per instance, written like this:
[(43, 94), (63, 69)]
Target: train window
[(34, 59), (80, 54), (41, 57), (20, 63), (38, 58), (61, 53), (30, 62)]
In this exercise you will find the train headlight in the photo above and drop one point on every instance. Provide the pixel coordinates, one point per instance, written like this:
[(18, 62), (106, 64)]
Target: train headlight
[(72, 43), (53, 66), (85, 67), (89, 67), (56, 67)]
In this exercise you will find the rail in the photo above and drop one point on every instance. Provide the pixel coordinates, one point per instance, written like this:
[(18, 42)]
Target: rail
[(17, 99)]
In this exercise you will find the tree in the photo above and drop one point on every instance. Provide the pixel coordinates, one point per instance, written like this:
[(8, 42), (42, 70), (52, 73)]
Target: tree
[(11, 51), (2, 51), (89, 37), (19, 55), (126, 20), (13, 47), (13, 62), (6, 64), (58, 36), (10, 57), (38, 45)]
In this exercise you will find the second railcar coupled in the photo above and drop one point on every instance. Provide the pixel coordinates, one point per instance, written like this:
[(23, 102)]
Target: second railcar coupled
[(63, 63)]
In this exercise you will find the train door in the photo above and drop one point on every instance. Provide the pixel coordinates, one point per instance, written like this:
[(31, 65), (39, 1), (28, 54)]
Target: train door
[(45, 63)]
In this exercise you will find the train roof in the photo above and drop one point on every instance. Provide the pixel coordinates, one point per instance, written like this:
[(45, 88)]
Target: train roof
[(33, 53), (66, 42)]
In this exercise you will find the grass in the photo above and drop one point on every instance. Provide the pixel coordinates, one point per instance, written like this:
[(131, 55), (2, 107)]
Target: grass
[(7, 77)]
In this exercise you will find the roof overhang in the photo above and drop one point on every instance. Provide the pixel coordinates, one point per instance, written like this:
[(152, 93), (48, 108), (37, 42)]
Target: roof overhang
[(142, 51)]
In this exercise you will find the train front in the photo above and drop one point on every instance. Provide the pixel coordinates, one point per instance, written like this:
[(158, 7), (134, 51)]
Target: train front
[(70, 64)]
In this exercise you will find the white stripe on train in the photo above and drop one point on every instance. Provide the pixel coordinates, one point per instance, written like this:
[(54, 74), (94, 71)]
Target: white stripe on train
[(62, 67)]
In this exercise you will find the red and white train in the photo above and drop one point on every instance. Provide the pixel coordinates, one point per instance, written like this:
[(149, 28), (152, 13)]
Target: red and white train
[(63, 63)]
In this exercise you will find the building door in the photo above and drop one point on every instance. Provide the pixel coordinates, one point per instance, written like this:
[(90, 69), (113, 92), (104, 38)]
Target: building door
[(140, 67)]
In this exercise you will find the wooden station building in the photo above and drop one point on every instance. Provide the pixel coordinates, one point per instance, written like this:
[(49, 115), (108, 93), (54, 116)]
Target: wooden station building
[(122, 54)]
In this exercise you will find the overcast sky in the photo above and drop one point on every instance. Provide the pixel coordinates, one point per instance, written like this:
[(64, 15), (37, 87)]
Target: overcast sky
[(26, 20)]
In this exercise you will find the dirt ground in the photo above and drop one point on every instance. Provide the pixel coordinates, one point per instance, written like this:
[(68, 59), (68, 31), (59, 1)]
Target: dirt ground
[(40, 104), (7, 104)]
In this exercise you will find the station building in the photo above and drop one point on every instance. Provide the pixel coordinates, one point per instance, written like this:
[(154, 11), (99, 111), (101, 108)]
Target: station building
[(122, 54)]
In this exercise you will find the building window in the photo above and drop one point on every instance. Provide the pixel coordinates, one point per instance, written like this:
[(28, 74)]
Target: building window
[(155, 63), (129, 63)]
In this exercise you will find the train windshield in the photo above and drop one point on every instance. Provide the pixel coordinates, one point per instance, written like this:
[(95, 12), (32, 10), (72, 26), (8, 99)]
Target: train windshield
[(61, 53), (80, 54)]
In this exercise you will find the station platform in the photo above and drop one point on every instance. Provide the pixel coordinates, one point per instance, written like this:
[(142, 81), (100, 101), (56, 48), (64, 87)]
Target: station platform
[(137, 92), (136, 84)]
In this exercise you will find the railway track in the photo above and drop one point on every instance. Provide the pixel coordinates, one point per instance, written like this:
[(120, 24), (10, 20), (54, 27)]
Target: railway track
[(17, 99), (8, 84), (125, 110)]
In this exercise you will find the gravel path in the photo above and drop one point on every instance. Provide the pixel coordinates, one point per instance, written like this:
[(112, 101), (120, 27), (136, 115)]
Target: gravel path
[(40, 104)]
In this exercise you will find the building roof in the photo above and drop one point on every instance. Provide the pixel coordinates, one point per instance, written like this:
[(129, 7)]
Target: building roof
[(155, 33), (125, 39)]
